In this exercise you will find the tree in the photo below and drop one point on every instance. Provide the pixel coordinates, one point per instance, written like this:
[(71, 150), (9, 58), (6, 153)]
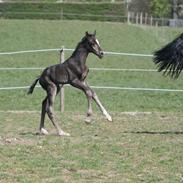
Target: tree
[(138, 6), (177, 6), (160, 8)]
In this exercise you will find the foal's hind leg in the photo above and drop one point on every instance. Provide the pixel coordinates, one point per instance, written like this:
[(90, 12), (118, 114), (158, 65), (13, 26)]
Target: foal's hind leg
[(52, 91), (42, 130)]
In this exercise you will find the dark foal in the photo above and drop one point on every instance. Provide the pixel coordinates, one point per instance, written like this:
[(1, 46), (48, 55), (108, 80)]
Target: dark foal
[(74, 72)]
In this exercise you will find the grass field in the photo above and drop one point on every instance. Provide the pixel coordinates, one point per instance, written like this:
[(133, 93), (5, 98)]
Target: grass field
[(135, 147)]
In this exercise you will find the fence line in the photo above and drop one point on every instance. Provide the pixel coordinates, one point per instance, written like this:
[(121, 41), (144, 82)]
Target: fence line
[(20, 68), (29, 51), (14, 87), (61, 60), (104, 69), (128, 54), (68, 49), (107, 87), (128, 70), (92, 69)]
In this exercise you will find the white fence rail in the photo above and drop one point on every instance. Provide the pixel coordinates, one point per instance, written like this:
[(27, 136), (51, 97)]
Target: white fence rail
[(94, 69), (68, 49), (107, 87)]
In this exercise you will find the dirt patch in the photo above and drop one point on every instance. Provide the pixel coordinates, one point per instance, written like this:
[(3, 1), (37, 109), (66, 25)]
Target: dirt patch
[(15, 141)]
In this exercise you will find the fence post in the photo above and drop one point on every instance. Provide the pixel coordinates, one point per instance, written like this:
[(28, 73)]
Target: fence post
[(141, 18), (128, 18), (145, 19), (137, 18), (151, 21), (62, 106)]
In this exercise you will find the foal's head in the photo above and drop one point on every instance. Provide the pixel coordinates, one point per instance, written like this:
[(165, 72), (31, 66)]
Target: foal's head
[(92, 44)]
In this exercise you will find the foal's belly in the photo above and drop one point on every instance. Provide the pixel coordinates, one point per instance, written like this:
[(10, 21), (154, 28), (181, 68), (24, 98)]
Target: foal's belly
[(59, 75)]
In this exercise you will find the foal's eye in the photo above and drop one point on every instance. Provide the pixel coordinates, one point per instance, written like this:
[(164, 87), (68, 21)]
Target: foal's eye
[(92, 43)]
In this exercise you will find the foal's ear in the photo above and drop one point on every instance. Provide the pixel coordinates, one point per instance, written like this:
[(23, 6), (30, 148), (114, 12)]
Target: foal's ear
[(94, 33), (86, 34)]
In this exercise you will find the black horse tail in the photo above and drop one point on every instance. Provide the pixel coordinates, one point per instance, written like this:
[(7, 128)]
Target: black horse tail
[(169, 59), (31, 89)]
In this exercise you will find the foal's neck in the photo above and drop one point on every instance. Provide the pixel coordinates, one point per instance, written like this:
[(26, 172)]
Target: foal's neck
[(80, 54)]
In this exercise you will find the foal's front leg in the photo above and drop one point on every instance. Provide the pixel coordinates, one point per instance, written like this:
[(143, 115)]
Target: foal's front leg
[(90, 94), (96, 99), (99, 104)]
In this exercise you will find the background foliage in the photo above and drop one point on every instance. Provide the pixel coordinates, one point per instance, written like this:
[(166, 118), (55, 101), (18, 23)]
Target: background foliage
[(160, 8)]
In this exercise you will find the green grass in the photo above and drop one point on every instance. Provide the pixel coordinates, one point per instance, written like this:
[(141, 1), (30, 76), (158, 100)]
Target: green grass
[(133, 148)]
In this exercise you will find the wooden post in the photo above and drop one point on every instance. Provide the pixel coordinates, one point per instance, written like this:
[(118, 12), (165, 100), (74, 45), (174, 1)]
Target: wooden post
[(128, 18), (145, 20), (62, 106), (162, 21), (156, 24), (137, 18), (151, 21), (141, 18)]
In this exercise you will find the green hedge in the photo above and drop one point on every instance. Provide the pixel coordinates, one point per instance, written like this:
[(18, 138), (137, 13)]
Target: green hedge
[(61, 10)]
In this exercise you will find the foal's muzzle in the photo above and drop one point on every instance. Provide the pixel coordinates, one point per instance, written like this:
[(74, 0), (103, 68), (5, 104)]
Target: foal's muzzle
[(101, 54)]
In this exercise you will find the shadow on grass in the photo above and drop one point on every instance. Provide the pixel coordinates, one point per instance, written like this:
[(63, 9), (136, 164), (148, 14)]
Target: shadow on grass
[(28, 134), (38, 134), (156, 133)]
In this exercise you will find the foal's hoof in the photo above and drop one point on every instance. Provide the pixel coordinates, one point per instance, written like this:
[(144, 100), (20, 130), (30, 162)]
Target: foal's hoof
[(42, 131), (88, 120), (62, 133), (109, 118)]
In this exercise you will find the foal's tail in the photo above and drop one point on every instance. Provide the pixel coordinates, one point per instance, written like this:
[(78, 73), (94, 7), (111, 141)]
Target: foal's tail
[(31, 89)]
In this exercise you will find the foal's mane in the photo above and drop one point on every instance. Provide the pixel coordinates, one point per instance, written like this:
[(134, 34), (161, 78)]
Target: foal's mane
[(78, 45)]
